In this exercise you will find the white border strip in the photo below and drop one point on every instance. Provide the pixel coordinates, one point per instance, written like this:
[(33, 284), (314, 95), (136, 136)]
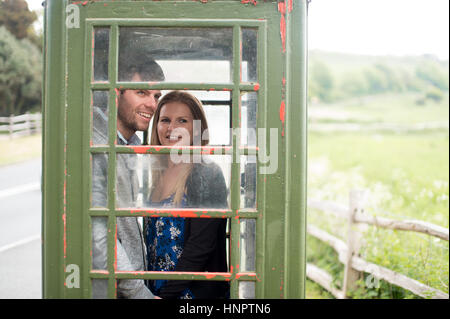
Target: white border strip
[(20, 189), (20, 243)]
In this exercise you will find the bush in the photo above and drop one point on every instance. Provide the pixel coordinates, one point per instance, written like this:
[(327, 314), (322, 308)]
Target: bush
[(20, 74), (434, 95)]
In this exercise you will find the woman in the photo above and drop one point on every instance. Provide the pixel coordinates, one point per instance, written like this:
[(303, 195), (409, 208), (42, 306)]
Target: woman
[(185, 244)]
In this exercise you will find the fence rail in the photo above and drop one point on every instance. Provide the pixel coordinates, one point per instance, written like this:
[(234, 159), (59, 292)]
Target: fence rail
[(348, 252), (21, 125)]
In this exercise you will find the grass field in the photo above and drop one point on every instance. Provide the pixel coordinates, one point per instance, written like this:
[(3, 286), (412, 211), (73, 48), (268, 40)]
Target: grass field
[(406, 176), (19, 149)]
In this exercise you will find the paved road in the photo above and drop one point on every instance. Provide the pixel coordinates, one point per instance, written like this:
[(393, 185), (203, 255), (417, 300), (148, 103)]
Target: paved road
[(20, 230)]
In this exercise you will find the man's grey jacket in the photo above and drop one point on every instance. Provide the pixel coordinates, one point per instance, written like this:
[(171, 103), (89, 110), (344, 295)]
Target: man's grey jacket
[(131, 255)]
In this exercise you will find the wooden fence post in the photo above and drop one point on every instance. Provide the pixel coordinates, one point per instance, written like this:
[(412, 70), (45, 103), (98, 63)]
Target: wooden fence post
[(11, 126), (28, 125), (354, 238)]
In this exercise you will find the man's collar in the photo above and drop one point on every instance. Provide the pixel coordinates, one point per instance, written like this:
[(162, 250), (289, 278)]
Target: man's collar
[(134, 139)]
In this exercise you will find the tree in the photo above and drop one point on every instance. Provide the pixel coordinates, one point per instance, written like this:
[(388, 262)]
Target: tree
[(321, 81), (393, 83), (376, 80), (20, 74), (16, 17), (433, 74), (353, 84)]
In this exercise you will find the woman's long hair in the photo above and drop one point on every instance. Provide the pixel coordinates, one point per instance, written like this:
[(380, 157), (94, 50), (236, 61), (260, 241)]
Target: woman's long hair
[(196, 108)]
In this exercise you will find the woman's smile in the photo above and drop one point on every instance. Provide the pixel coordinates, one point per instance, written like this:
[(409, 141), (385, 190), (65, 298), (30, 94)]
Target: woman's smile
[(175, 125)]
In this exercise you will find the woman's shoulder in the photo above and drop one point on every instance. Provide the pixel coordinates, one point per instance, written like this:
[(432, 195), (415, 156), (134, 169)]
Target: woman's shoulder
[(207, 169), (206, 186)]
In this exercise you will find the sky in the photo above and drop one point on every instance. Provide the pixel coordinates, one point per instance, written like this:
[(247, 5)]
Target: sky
[(375, 27), (380, 27)]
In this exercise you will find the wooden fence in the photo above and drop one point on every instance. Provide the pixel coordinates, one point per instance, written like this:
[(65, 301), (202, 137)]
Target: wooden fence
[(348, 252), (26, 124)]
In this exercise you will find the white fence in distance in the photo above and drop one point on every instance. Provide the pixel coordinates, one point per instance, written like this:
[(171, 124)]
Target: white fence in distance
[(21, 125), (348, 252)]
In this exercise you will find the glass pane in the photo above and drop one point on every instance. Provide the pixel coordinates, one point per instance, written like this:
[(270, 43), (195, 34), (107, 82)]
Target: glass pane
[(130, 250), (100, 101), (99, 288), (187, 244), (99, 191), (219, 121), (248, 245), (128, 193), (248, 181), (133, 289), (249, 55), (173, 180), (99, 243), (101, 54), (217, 109), (246, 290), (249, 104), (185, 55)]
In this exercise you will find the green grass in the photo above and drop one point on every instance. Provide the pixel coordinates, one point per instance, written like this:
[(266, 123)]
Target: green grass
[(410, 171), (19, 149), (391, 108), (406, 176), (314, 291)]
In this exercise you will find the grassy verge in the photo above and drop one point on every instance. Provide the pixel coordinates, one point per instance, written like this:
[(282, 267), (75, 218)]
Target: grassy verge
[(407, 177), (20, 149)]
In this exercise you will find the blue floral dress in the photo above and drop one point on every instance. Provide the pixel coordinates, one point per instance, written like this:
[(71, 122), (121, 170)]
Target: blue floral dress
[(165, 241)]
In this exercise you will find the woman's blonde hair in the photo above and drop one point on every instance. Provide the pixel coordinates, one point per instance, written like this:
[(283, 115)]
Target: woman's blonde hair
[(196, 108)]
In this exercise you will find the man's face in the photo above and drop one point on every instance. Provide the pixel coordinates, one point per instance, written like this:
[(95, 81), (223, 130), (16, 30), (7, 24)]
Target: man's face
[(136, 109)]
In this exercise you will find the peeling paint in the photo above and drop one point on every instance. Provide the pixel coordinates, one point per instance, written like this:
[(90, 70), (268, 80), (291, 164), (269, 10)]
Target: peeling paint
[(282, 10), (83, 3), (204, 150), (64, 239), (247, 275), (186, 213), (290, 5), (256, 87), (254, 2), (282, 115)]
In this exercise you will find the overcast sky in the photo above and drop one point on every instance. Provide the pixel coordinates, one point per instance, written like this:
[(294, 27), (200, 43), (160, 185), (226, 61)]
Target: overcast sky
[(380, 27), (377, 27)]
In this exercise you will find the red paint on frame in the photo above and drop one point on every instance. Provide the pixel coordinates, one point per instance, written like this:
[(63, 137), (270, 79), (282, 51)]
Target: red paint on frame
[(248, 274), (290, 5), (254, 2), (282, 10), (64, 239), (282, 115), (179, 213)]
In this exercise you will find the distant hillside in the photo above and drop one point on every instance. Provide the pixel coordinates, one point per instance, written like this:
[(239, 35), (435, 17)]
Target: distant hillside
[(333, 76), (342, 62)]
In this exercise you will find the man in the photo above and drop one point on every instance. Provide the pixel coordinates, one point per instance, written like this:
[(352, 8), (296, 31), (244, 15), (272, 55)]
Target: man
[(135, 108)]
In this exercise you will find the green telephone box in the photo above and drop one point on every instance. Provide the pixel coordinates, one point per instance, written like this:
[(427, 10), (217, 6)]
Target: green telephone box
[(246, 61)]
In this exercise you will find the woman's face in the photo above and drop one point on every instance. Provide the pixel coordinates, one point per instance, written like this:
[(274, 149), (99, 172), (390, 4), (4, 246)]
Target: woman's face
[(175, 124)]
